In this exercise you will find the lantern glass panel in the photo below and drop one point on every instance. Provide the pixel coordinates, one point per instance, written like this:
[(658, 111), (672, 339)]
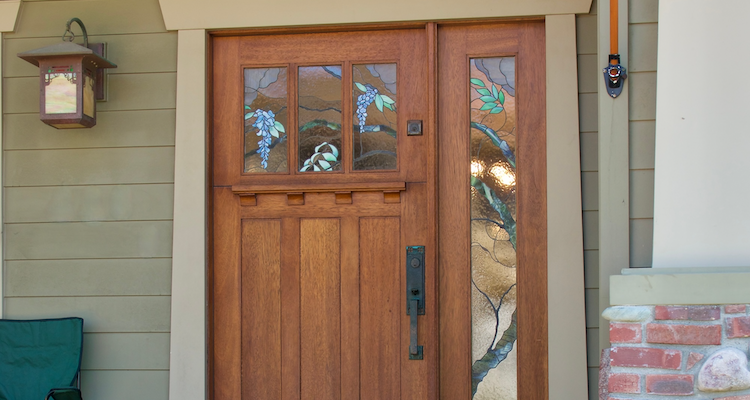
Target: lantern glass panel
[(88, 94), (60, 90)]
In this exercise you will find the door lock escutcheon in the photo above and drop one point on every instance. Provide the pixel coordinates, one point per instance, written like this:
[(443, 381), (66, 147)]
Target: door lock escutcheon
[(414, 296)]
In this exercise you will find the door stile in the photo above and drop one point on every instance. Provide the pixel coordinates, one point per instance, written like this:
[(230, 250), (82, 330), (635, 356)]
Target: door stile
[(227, 343), (290, 306), (347, 136), (533, 380), (293, 113), (453, 209), (431, 278)]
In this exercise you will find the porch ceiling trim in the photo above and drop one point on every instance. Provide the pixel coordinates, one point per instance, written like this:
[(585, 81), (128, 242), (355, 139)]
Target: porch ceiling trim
[(228, 14), (9, 14)]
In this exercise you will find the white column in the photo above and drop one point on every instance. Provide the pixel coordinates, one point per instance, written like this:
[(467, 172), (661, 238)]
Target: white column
[(702, 170), (567, 318), (187, 360)]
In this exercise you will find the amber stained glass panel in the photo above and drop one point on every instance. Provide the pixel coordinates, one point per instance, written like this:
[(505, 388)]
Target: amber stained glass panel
[(374, 132), (265, 120), (319, 110), (493, 227)]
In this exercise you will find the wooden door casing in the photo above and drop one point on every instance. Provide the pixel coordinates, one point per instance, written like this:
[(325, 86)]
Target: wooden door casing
[(353, 207)]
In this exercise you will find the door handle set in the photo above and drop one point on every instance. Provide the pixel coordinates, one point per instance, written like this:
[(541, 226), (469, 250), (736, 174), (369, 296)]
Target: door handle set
[(414, 296)]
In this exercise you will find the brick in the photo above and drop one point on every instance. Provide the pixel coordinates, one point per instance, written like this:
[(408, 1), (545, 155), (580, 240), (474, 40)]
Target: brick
[(604, 369), (645, 357), (693, 358), (687, 313), (745, 397), (624, 383), (624, 333), (683, 334), (674, 385), (738, 327), (734, 309)]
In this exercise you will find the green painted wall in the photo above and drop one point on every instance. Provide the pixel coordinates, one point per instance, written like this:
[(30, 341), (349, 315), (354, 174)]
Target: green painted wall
[(642, 86), (88, 213)]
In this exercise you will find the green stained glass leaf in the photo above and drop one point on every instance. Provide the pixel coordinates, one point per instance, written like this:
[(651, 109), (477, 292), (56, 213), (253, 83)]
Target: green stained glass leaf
[(247, 107), (387, 99), (484, 92), (317, 148), (325, 164), (273, 132), (379, 103), (496, 110), (389, 106), (488, 99), (501, 98), (487, 106), (334, 150), (329, 157), (495, 93), (249, 115), (279, 127), (360, 86), (477, 82)]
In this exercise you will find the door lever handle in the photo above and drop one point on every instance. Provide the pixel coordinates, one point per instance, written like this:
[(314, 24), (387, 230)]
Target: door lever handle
[(414, 296), (415, 350)]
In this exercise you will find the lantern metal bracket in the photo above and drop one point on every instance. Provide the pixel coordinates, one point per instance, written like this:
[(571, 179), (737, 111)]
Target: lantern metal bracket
[(100, 89), (73, 35)]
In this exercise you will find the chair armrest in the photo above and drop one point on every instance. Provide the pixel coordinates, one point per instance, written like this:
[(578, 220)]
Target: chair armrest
[(68, 393)]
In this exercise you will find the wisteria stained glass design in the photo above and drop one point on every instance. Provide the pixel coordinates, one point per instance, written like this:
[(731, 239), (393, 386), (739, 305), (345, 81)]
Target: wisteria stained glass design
[(319, 110), (265, 120), (493, 228), (374, 133)]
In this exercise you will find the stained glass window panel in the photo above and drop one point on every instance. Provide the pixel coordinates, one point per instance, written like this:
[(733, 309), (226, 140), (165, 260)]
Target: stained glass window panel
[(493, 228), (374, 133), (319, 110), (265, 120)]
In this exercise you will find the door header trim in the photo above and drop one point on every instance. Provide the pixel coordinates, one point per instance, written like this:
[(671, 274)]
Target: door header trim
[(231, 14)]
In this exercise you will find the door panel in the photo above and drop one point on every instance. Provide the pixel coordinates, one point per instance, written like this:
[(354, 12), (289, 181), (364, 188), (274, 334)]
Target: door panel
[(321, 309), (261, 306)]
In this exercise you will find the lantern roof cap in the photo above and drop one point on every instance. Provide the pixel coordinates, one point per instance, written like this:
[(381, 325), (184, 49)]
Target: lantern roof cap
[(65, 49)]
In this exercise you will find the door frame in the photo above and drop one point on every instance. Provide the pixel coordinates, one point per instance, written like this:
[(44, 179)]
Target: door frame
[(188, 359)]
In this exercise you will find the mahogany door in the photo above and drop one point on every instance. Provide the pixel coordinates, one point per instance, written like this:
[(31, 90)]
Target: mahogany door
[(317, 192), (325, 151)]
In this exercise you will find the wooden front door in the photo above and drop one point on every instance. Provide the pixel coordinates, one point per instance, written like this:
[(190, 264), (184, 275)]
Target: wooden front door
[(311, 226), (324, 154)]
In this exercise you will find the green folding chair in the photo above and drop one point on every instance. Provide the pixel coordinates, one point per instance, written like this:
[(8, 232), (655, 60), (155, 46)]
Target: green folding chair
[(40, 359)]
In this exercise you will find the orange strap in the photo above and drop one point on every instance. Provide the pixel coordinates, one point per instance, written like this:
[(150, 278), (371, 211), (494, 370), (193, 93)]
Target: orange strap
[(613, 20)]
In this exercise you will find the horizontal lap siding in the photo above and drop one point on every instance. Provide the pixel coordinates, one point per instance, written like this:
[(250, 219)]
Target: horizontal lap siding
[(642, 81), (88, 212)]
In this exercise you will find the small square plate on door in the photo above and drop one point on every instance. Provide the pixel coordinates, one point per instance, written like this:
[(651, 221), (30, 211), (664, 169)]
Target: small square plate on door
[(413, 127)]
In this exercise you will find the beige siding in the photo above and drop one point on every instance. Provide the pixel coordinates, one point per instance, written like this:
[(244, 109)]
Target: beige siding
[(642, 80), (88, 212), (642, 85)]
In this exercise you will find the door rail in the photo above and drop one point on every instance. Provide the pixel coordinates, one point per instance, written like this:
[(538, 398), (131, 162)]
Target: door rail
[(296, 192)]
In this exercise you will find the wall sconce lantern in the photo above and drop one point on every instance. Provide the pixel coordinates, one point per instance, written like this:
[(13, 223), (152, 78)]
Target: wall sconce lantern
[(71, 79)]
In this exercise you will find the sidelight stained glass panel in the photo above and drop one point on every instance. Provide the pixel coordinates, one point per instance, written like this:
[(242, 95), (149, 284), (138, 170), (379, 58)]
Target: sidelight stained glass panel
[(265, 120), (374, 132), (493, 227), (319, 110)]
